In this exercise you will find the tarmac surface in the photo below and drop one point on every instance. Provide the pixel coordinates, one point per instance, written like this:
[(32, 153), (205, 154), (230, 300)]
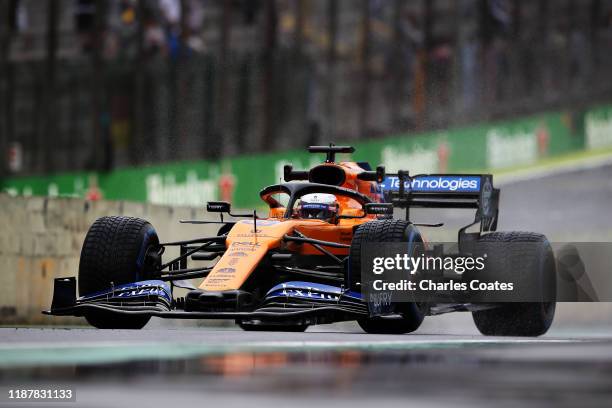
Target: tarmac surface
[(445, 363), (202, 367)]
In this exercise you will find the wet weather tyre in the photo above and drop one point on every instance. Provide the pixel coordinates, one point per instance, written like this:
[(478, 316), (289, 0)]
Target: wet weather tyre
[(116, 252), (529, 319), (410, 314)]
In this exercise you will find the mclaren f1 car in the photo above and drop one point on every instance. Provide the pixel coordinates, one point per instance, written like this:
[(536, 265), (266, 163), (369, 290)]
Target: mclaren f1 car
[(301, 264)]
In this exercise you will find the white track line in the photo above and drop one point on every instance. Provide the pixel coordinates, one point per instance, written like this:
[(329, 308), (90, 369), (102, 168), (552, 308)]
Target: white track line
[(287, 344)]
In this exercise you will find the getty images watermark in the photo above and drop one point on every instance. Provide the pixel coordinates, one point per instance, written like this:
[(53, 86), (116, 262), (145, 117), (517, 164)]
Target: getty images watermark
[(404, 264), (487, 271)]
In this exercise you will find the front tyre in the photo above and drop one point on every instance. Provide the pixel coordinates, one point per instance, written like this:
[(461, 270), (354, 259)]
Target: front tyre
[(406, 317), (117, 250)]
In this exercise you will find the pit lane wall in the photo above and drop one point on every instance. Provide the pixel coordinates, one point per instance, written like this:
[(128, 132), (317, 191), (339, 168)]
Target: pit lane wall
[(41, 239), (491, 147)]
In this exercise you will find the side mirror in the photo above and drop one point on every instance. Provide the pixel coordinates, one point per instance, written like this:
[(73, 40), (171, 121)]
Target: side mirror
[(293, 175), (218, 207), (379, 208)]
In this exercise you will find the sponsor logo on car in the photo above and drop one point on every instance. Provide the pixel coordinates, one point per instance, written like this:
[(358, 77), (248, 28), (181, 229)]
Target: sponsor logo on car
[(263, 223), (142, 290), (246, 246), (459, 184), (252, 235), (216, 207), (307, 292), (217, 281), (487, 192), (315, 206), (238, 254)]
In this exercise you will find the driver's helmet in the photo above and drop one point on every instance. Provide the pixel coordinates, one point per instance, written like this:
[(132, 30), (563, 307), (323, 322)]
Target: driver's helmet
[(319, 206)]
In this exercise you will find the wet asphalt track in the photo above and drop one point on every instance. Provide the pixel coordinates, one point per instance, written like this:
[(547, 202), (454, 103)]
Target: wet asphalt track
[(201, 367), (445, 363)]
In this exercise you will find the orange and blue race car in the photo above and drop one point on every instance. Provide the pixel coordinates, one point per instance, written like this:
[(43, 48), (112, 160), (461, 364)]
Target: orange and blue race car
[(303, 264)]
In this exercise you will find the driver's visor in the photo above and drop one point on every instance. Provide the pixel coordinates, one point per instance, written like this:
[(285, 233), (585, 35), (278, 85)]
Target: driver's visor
[(316, 211)]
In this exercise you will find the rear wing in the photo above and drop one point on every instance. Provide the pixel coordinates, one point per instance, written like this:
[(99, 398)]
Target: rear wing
[(445, 191)]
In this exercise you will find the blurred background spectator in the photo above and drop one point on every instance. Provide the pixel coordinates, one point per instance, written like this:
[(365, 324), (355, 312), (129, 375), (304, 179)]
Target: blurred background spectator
[(93, 84)]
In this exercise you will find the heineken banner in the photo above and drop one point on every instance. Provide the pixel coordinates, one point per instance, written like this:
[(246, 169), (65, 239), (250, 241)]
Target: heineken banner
[(482, 148)]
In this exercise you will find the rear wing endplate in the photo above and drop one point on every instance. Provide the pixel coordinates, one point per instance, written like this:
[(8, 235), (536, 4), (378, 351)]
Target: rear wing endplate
[(445, 191)]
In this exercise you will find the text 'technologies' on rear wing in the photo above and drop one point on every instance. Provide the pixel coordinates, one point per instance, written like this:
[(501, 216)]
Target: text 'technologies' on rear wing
[(445, 191)]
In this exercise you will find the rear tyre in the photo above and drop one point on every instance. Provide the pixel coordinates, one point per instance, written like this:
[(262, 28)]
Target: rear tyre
[(409, 314), (117, 250), (537, 263)]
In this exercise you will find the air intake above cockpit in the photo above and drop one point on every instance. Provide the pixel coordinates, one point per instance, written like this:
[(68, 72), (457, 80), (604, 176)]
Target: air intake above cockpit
[(327, 174)]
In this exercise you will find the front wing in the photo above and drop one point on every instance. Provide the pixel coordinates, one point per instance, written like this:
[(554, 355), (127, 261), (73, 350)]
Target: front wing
[(290, 300)]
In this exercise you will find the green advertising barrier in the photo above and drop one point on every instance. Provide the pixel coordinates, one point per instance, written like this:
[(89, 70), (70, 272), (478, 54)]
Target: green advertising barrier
[(598, 128), (481, 148)]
